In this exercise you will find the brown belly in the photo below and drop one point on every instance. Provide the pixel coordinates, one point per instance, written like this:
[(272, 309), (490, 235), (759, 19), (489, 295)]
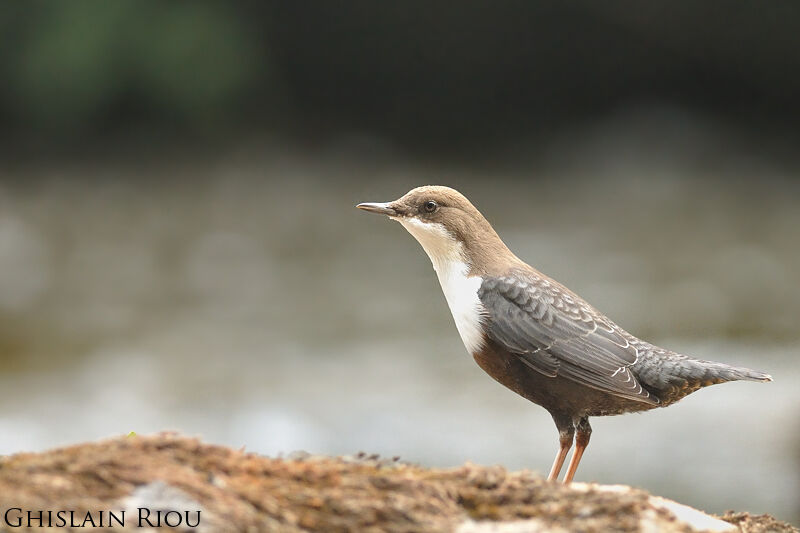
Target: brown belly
[(556, 394)]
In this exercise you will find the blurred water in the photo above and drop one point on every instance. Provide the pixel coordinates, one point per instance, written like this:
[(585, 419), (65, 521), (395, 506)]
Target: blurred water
[(242, 298)]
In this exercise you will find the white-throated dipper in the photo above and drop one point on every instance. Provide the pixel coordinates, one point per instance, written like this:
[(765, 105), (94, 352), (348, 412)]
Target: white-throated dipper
[(535, 336)]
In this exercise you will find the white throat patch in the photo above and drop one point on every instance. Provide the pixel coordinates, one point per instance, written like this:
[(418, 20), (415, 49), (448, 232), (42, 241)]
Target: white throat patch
[(460, 291)]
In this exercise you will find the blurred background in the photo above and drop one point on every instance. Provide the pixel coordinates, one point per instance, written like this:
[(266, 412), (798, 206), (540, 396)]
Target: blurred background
[(179, 248)]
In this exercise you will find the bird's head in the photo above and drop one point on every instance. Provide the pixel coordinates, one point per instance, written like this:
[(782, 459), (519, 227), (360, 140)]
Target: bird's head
[(444, 222)]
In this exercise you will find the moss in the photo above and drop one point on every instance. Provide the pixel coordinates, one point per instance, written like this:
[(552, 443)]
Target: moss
[(241, 491)]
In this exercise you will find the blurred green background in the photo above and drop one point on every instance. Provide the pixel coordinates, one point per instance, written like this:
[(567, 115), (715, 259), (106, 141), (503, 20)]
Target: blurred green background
[(426, 74), (179, 248)]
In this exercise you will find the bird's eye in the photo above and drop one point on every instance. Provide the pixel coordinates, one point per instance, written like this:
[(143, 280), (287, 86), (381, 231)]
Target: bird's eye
[(430, 206)]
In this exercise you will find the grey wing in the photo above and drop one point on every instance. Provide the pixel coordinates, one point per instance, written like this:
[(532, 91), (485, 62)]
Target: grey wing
[(557, 335)]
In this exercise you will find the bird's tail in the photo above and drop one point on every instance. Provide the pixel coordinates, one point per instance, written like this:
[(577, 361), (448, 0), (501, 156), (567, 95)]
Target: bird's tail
[(709, 373), (682, 375)]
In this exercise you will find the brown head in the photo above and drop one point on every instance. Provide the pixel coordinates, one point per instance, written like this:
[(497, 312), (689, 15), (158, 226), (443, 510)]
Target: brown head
[(448, 227)]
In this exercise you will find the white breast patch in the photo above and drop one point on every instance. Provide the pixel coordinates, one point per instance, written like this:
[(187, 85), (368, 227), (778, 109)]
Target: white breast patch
[(460, 291)]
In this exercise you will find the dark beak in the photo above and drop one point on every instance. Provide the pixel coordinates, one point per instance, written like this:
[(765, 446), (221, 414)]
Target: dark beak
[(381, 209)]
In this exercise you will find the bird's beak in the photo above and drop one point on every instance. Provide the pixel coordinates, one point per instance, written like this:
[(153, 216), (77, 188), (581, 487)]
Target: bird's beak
[(380, 208)]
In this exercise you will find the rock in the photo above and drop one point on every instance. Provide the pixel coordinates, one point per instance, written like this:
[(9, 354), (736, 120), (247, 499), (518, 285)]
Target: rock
[(193, 486)]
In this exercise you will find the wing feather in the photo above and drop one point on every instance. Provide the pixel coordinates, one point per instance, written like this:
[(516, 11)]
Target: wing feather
[(557, 334)]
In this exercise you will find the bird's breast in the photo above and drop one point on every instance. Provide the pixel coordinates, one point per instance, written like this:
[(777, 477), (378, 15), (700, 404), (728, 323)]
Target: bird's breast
[(461, 293)]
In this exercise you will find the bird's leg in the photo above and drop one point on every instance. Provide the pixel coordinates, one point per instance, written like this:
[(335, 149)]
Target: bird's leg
[(566, 432), (584, 431)]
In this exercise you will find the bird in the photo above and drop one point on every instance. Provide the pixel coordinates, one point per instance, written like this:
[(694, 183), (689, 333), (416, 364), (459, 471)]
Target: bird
[(535, 336)]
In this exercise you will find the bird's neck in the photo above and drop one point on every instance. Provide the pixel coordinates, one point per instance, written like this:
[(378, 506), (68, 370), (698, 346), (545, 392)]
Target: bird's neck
[(487, 255), (461, 261)]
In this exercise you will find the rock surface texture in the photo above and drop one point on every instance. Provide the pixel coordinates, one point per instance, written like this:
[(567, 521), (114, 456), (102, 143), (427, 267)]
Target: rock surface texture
[(239, 491)]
